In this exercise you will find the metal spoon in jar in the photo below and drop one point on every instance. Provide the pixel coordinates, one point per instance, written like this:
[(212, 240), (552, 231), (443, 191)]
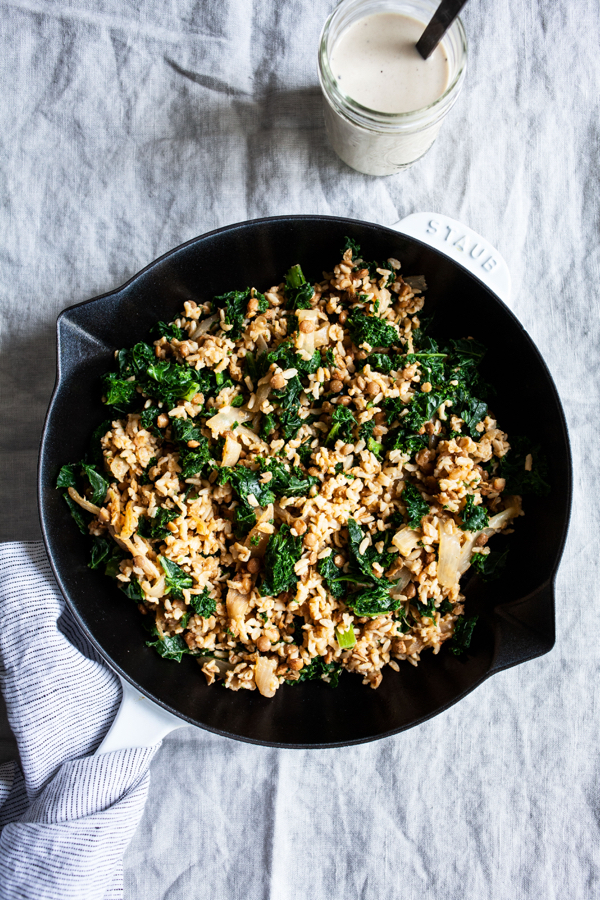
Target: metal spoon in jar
[(442, 19)]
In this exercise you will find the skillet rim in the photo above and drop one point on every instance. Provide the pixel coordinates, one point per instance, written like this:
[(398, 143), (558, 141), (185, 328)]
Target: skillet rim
[(546, 586)]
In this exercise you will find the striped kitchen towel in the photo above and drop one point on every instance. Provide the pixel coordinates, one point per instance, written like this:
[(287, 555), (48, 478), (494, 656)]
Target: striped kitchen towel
[(65, 817)]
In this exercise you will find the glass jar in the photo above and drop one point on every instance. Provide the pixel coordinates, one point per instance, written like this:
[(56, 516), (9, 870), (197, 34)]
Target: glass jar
[(378, 143)]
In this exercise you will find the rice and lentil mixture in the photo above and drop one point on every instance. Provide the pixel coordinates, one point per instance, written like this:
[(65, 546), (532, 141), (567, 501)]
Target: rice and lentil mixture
[(293, 483)]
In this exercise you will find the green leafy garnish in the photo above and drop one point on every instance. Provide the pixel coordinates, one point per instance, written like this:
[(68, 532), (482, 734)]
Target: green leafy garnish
[(82, 518), (98, 484), (105, 553), (365, 560), (145, 476), (426, 610)]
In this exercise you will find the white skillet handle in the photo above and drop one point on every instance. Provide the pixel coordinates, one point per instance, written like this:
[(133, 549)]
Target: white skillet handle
[(138, 723), (461, 244)]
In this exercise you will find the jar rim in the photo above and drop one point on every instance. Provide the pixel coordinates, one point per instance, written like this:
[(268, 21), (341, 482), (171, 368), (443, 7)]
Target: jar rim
[(364, 114)]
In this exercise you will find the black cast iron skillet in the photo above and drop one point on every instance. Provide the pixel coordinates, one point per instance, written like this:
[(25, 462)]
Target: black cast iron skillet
[(516, 613)]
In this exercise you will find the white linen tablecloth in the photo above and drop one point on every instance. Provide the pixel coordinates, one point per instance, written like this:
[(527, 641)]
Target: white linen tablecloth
[(128, 127)]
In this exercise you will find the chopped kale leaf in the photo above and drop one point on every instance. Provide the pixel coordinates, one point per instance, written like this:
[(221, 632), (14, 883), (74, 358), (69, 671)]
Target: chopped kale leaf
[(371, 330), (82, 518), (445, 607), (104, 551), (175, 578), (373, 601), (330, 572), (351, 244), (203, 604), (145, 476), (304, 451), (235, 304), (170, 647), (98, 484), (167, 331), (155, 527), (366, 433), (463, 633), (416, 507), (365, 560), (474, 518), (149, 416), (268, 425), (520, 480), (66, 476), (426, 610), (298, 291), (342, 423), (490, 566), (289, 483), (94, 453), (283, 552), (319, 669), (132, 589), (119, 392)]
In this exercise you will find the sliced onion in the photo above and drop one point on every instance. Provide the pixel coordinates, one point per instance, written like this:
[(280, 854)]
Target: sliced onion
[(321, 336), (85, 504), (498, 521), (448, 572), (406, 540), (205, 325), (158, 589), (464, 560), (264, 676), (401, 582), (262, 393), (306, 341), (242, 431), (284, 514), (262, 515), (237, 607), (225, 418), (231, 452)]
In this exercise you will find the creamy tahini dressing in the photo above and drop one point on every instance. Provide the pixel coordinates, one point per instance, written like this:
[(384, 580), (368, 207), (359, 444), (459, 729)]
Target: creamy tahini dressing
[(376, 63)]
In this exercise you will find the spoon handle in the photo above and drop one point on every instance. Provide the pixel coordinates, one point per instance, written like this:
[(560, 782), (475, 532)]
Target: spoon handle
[(442, 19)]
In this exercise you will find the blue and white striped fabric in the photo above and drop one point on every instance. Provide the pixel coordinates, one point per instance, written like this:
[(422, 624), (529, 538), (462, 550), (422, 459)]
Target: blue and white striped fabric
[(65, 817)]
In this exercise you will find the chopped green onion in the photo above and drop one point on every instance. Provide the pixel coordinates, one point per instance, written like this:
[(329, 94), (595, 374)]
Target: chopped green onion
[(346, 639)]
